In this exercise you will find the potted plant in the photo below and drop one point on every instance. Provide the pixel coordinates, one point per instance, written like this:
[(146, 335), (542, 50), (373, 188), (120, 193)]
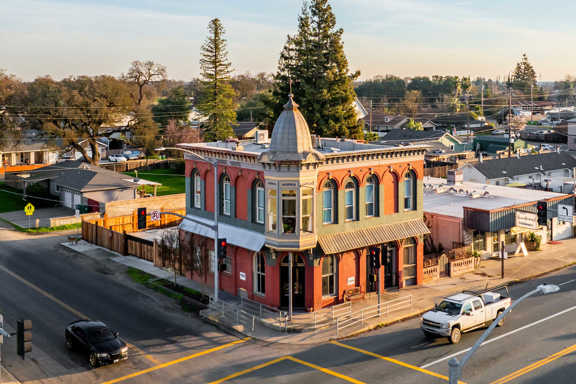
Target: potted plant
[(533, 242)]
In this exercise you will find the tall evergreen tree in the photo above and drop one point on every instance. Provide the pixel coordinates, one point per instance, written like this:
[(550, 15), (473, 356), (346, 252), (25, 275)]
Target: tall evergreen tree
[(216, 99), (524, 76), (314, 61)]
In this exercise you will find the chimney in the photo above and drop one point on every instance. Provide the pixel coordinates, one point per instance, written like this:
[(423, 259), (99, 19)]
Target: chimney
[(262, 136), (454, 177)]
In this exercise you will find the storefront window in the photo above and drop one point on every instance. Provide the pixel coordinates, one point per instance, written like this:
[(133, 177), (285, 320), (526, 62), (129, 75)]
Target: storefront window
[(329, 276), (479, 241), (306, 224), (260, 274), (495, 242), (289, 211), (409, 259), (272, 210)]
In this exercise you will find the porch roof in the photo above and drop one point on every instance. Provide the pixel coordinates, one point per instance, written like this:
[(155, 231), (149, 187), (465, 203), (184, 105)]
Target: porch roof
[(346, 241), (238, 237)]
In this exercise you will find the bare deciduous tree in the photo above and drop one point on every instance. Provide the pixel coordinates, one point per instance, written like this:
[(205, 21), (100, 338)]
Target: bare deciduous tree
[(143, 73)]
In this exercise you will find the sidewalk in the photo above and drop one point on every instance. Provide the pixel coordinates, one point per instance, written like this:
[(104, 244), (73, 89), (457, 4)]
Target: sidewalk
[(6, 377), (553, 257)]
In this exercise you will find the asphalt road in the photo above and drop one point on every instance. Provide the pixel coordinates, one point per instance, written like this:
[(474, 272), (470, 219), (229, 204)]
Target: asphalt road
[(41, 281)]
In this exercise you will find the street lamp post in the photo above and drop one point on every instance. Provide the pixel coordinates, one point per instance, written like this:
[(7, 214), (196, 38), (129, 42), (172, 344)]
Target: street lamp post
[(455, 366), (214, 164)]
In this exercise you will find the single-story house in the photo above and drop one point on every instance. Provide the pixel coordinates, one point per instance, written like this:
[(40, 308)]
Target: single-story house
[(549, 171), (27, 156)]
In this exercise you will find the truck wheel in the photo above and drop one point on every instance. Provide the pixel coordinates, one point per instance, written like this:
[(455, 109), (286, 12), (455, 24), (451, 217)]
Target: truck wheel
[(501, 322), (455, 335)]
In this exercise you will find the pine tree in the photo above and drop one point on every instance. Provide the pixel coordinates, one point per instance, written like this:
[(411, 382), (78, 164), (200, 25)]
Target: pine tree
[(216, 99), (524, 76), (314, 61)]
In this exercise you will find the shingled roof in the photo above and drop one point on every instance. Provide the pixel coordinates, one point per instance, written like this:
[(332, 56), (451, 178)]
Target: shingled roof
[(493, 169)]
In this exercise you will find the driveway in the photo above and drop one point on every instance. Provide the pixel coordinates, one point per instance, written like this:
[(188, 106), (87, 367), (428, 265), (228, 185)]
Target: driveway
[(45, 214)]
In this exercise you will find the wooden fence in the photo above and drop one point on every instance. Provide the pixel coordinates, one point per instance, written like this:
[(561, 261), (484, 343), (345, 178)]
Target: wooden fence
[(121, 243), (129, 223)]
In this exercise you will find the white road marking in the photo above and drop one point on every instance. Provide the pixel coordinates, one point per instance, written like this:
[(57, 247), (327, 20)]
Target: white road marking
[(568, 282), (501, 336)]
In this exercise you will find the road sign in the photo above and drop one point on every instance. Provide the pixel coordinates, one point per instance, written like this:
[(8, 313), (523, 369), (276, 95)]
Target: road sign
[(29, 209), (565, 212), (155, 215)]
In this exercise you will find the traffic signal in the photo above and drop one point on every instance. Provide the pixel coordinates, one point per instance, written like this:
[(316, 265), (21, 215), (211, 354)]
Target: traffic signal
[(141, 218), (542, 208), (24, 337), (384, 254), (222, 249), (374, 257)]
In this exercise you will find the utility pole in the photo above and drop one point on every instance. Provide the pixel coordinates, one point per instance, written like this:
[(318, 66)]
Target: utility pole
[(509, 117), (370, 126), (531, 101), (482, 98)]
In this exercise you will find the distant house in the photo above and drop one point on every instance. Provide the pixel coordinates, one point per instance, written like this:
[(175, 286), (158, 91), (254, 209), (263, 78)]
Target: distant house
[(76, 183), (22, 157), (427, 124), (459, 121), (383, 122), (246, 129), (494, 144), (548, 171)]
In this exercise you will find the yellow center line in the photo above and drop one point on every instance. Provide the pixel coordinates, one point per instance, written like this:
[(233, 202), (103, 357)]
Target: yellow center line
[(533, 366), (391, 360), (177, 361), (254, 368), (325, 370), (65, 306)]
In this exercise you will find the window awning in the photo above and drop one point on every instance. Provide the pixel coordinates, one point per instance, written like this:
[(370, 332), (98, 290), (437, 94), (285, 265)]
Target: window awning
[(346, 241), (236, 236)]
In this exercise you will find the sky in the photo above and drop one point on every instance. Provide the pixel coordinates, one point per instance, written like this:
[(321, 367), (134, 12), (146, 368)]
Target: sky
[(406, 38)]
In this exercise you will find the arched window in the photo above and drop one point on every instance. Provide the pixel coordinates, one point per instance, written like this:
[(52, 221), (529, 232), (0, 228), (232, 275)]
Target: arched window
[(409, 258), (196, 190), (410, 191), (329, 202), (372, 196), (350, 197), (260, 274), (258, 199), (329, 275), (226, 196)]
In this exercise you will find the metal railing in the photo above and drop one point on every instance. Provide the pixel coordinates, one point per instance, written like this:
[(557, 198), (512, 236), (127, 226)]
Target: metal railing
[(359, 318), (231, 314)]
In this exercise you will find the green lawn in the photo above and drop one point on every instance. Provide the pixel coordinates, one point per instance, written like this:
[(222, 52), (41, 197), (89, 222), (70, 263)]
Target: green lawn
[(172, 181), (10, 202)]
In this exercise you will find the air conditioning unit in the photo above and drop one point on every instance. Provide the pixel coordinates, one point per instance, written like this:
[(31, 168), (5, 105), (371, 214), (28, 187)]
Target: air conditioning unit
[(261, 136)]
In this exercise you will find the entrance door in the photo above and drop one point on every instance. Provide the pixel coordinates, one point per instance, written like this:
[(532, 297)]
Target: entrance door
[(298, 282), (390, 266), (371, 276)]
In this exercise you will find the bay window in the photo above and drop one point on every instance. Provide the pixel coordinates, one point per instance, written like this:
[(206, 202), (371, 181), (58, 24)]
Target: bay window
[(288, 210)]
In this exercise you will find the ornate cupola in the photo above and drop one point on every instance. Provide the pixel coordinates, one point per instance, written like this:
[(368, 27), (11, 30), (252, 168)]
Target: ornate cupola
[(291, 138), (290, 172)]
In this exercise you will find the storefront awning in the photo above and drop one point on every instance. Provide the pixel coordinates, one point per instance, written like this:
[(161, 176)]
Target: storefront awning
[(236, 236), (346, 241)]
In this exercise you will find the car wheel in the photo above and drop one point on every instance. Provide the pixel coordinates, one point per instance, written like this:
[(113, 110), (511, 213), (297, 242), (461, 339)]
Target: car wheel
[(501, 322), (455, 335), (93, 361), (69, 344)]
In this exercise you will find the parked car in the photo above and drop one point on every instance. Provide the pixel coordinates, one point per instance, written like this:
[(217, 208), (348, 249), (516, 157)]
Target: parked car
[(132, 155), (97, 341), (117, 158), (464, 312)]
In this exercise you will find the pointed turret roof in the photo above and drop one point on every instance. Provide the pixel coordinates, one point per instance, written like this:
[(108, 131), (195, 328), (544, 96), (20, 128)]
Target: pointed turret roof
[(291, 139)]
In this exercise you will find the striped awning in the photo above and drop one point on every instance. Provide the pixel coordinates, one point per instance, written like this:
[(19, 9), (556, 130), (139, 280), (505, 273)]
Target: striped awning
[(346, 241)]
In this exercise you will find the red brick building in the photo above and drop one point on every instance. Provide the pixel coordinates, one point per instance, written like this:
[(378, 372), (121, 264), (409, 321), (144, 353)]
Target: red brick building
[(313, 206)]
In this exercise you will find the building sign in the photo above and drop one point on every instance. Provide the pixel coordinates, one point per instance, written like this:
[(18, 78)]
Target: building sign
[(526, 220), (565, 212), (242, 276), (351, 280)]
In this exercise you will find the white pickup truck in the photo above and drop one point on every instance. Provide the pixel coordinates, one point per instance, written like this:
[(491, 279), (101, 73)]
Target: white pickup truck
[(464, 312)]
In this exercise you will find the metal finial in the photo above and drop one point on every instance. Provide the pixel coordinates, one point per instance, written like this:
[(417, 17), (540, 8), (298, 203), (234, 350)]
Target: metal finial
[(290, 85)]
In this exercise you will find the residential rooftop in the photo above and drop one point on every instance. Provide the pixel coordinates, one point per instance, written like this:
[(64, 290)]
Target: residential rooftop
[(525, 165), (450, 200)]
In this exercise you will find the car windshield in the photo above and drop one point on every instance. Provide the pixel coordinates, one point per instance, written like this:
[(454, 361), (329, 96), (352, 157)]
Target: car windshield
[(449, 307), (99, 334)]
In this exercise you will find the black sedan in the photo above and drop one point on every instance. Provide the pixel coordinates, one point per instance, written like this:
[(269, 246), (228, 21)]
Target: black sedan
[(97, 341)]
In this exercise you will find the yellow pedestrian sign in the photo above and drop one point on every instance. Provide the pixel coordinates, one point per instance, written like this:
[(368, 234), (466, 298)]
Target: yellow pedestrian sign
[(29, 209)]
